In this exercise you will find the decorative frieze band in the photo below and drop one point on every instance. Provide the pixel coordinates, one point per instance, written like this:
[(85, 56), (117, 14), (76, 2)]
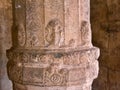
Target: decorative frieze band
[(52, 69)]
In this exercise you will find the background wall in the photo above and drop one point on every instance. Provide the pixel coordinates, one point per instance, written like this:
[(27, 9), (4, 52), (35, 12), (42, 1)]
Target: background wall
[(105, 21), (5, 42)]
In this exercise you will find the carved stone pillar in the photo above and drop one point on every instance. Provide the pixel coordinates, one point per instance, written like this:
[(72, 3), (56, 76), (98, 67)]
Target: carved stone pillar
[(52, 47)]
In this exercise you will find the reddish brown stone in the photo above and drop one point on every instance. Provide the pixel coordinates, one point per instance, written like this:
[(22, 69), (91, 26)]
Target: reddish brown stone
[(52, 47)]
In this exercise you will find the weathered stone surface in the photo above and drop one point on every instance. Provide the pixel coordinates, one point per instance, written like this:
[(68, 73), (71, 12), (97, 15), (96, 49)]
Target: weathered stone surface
[(102, 29), (41, 69), (47, 24), (29, 87), (52, 47), (53, 69)]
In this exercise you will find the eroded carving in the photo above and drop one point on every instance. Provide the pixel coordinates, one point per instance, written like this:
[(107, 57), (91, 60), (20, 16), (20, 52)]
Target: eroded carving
[(33, 39), (25, 57), (34, 75), (56, 60), (55, 77), (21, 35), (71, 43), (86, 33), (54, 34), (52, 69), (15, 73)]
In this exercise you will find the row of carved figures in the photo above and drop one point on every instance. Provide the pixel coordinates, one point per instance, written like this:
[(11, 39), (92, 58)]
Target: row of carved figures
[(54, 35)]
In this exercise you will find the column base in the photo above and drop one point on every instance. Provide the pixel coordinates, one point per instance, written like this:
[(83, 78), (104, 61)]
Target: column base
[(53, 71), (30, 87)]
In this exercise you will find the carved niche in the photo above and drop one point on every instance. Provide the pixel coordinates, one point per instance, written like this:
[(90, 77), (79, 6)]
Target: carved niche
[(54, 34)]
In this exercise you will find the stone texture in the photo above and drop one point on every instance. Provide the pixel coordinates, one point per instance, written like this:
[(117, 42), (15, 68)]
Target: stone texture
[(101, 32), (5, 42), (105, 27), (52, 47), (47, 24)]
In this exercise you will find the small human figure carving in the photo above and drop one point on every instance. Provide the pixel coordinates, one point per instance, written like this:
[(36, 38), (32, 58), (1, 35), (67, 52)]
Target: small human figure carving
[(86, 33), (54, 34)]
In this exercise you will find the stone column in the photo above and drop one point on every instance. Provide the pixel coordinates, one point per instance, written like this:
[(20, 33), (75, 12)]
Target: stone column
[(52, 47)]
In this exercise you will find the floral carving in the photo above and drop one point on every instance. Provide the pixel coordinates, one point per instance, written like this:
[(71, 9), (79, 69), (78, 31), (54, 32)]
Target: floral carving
[(55, 59), (34, 22), (33, 39), (57, 77), (25, 57)]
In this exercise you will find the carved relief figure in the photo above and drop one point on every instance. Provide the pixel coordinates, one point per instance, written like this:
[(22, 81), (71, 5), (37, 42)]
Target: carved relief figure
[(21, 35), (55, 77), (54, 34), (86, 33)]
